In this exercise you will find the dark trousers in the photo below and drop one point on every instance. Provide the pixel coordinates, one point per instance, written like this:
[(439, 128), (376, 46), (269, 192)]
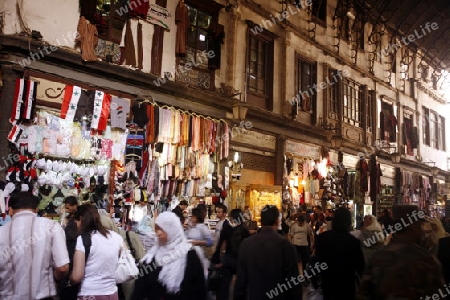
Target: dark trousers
[(228, 270), (224, 289), (303, 255)]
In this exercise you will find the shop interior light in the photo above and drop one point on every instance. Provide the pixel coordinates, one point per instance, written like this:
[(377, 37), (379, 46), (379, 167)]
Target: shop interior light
[(296, 181), (236, 157)]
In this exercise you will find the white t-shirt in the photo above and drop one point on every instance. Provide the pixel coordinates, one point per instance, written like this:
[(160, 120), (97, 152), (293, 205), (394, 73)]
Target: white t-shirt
[(99, 274)]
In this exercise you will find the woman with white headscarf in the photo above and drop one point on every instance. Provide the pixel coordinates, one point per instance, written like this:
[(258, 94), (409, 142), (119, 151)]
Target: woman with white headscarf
[(172, 269), (371, 237), (146, 232)]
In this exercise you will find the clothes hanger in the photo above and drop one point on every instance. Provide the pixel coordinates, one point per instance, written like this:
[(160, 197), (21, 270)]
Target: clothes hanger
[(132, 156)]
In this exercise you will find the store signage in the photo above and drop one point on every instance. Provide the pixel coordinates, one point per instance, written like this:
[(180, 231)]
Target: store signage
[(253, 138), (49, 91), (159, 15), (300, 149)]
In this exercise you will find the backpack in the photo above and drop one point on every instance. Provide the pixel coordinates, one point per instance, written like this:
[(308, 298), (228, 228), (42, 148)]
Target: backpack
[(71, 292)]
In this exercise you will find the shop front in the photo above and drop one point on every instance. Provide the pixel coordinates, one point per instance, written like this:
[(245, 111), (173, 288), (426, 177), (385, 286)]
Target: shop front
[(304, 169), (250, 172), (136, 154)]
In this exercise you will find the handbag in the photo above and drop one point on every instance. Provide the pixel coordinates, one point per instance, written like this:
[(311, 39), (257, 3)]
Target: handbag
[(126, 267), (214, 279)]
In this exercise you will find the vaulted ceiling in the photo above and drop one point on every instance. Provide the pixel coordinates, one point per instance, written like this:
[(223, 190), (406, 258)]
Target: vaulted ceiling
[(416, 17)]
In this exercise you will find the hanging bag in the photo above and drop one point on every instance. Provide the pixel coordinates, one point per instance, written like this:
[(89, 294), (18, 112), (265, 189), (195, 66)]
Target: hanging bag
[(126, 267)]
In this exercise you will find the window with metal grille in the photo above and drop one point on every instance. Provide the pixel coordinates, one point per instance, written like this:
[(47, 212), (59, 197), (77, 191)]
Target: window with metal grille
[(260, 68), (369, 111), (333, 100), (305, 79), (319, 9), (352, 96), (433, 130), (441, 133), (197, 36), (426, 125)]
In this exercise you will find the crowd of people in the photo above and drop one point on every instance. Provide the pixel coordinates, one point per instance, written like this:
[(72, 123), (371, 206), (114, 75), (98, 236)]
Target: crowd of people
[(401, 255)]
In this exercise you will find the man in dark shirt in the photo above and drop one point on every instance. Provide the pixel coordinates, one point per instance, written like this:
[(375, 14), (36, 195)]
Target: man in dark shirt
[(230, 241), (70, 227), (386, 220), (267, 263), (341, 253), (178, 210)]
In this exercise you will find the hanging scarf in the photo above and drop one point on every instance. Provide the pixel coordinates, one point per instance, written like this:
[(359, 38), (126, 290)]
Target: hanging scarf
[(172, 256)]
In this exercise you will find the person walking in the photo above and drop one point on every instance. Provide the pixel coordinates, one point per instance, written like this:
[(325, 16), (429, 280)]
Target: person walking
[(200, 236), (267, 263), (33, 252), (70, 227), (298, 235), (179, 209), (230, 240), (403, 269), (341, 253), (371, 237), (221, 214), (71, 232), (172, 270), (96, 272), (386, 220)]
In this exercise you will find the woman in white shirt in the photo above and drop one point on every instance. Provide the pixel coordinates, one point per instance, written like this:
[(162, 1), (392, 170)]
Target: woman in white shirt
[(298, 235), (200, 236), (97, 273)]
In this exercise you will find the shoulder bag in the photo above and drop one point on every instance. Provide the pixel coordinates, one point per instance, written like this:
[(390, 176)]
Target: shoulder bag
[(126, 267), (70, 292)]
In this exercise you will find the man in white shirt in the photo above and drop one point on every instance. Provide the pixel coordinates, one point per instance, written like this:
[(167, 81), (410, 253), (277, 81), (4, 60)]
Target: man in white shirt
[(221, 214), (33, 252)]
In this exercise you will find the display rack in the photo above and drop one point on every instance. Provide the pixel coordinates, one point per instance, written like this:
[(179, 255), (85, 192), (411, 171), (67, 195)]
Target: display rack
[(262, 195)]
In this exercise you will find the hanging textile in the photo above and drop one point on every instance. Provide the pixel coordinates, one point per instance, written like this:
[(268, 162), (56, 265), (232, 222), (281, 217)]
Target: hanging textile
[(182, 22), (87, 37)]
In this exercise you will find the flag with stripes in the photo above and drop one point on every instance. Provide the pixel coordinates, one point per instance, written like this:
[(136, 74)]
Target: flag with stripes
[(70, 102), (17, 100), (15, 133), (24, 100), (102, 105), (29, 99)]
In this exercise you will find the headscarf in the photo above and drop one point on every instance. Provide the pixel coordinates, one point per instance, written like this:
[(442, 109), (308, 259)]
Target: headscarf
[(146, 232), (439, 232), (375, 226), (172, 256)]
